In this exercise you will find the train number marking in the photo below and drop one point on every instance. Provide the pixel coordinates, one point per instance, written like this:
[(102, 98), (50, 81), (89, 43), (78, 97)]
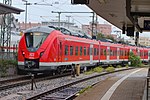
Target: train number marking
[(31, 54)]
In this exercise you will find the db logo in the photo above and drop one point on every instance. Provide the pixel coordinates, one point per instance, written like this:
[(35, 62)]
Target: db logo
[(31, 54)]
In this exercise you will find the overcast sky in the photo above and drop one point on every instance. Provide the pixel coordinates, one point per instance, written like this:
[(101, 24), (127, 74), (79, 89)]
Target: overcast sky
[(42, 12)]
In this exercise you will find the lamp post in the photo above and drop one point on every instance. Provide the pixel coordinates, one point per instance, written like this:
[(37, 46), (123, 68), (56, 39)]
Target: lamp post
[(26, 3), (68, 20), (26, 16), (25, 13)]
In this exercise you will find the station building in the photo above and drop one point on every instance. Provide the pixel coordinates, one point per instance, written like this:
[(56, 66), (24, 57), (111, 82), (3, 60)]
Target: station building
[(101, 28), (28, 25)]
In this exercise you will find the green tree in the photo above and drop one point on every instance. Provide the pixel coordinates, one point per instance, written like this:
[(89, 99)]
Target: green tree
[(110, 37), (135, 60), (100, 36), (5, 64)]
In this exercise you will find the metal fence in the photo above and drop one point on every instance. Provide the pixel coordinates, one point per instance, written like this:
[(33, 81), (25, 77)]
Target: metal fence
[(8, 55)]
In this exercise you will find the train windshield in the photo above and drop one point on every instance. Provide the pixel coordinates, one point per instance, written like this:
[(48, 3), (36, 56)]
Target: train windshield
[(34, 40)]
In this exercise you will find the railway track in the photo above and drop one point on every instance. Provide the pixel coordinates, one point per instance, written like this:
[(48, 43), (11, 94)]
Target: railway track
[(20, 81), (69, 90), (10, 83), (5, 80)]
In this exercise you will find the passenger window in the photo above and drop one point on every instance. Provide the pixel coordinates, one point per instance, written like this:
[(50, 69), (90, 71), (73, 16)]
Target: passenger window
[(85, 51), (76, 52), (108, 51), (102, 52), (94, 51), (105, 52), (80, 50), (115, 52), (97, 51), (66, 50), (71, 50), (111, 53), (120, 52)]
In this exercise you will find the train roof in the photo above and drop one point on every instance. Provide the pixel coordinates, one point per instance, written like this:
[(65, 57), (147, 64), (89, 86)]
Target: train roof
[(81, 40), (44, 29), (49, 29), (67, 31)]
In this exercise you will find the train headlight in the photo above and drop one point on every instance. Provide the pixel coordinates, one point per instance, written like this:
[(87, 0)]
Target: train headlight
[(23, 53)]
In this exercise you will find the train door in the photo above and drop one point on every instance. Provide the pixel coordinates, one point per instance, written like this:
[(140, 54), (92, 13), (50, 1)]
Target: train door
[(91, 53), (99, 52), (149, 56), (108, 54), (60, 51), (118, 49)]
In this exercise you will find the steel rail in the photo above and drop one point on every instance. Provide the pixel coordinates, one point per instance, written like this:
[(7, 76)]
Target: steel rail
[(44, 94)]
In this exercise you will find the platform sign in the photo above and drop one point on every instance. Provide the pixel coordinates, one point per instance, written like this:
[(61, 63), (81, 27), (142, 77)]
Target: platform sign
[(146, 24)]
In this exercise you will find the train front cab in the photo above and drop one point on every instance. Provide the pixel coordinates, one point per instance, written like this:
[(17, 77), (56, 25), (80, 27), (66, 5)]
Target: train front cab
[(32, 50)]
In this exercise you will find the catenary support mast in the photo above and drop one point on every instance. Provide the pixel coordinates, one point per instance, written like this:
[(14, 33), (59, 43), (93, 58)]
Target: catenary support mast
[(59, 13), (5, 37)]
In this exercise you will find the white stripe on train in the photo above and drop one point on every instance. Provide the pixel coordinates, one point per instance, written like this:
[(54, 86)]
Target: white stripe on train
[(75, 62)]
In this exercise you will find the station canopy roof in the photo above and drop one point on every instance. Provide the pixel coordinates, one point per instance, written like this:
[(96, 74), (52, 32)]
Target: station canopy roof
[(123, 12), (5, 9)]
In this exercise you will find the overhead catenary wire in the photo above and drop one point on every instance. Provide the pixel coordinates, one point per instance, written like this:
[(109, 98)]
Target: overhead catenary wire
[(54, 5), (58, 7)]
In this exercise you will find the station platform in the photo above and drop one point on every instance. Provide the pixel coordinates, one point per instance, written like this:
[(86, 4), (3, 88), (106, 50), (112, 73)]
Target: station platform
[(127, 86)]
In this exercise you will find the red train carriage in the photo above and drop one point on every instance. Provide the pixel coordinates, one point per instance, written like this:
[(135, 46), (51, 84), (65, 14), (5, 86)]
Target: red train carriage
[(103, 52), (108, 53), (124, 53), (113, 53), (143, 53), (140, 52), (133, 49), (44, 49), (146, 55)]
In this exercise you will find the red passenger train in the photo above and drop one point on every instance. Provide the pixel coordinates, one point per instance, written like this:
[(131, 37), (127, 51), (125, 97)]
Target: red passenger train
[(44, 49)]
